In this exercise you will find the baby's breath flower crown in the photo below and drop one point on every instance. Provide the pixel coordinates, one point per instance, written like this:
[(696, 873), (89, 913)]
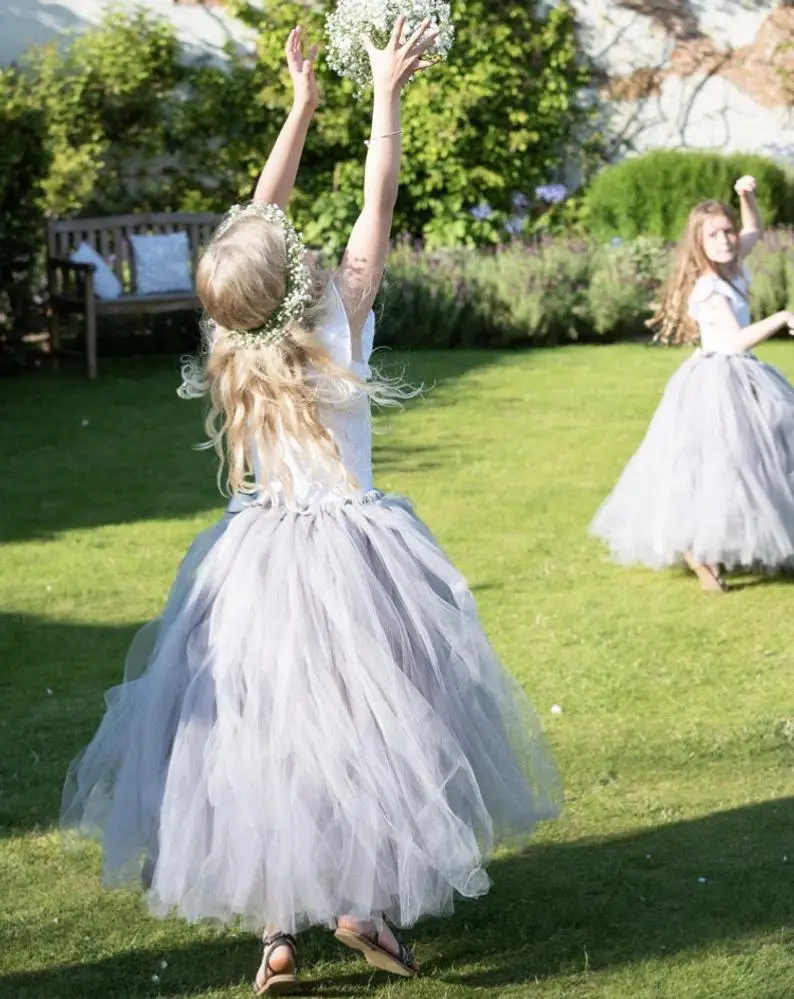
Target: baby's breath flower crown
[(298, 280), (352, 18)]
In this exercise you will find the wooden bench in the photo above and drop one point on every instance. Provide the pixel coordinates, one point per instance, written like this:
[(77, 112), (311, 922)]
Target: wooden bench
[(71, 285)]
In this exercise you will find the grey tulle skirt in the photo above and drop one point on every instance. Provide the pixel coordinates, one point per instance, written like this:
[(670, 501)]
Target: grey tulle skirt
[(316, 725), (714, 475)]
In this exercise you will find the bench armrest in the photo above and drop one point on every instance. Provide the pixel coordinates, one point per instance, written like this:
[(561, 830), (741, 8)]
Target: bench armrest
[(66, 264), (69, 279)]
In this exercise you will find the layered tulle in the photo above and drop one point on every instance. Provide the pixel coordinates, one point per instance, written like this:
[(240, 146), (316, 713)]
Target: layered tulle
[(320, 727), (714, 475)]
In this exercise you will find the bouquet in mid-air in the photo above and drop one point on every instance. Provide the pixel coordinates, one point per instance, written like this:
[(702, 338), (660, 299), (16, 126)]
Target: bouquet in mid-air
[(352, 18)]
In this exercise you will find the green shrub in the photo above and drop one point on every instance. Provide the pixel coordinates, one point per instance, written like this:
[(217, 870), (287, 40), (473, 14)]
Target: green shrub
[(83, 130), (623, 285), (23, 167), (767, 265), (498, 118), (781, 243), (556, 292), (652, 195), (116, 123), (107, 100), (523, 295)]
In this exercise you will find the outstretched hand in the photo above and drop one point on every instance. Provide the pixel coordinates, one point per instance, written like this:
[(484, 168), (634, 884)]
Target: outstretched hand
[(301, 70), (745, 186), (394, 65)]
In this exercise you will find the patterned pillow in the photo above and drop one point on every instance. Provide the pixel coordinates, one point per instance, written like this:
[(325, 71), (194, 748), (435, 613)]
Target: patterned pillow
[(106, 284), (162, 263)]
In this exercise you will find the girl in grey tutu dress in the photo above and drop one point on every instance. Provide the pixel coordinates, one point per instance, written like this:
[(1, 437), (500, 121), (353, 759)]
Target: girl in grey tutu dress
[(316, 731), (712, 484)]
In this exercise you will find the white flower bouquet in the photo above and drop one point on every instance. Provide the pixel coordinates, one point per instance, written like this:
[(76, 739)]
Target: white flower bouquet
[(352, 18)]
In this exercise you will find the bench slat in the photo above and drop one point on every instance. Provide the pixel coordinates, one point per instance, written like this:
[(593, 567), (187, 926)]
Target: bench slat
[(178, 219)]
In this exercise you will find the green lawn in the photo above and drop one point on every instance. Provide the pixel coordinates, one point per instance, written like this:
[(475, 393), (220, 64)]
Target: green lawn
[(672, 871)]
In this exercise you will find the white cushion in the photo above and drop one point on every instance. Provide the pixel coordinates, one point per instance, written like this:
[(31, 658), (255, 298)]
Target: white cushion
[(106, 284), (162, 263)]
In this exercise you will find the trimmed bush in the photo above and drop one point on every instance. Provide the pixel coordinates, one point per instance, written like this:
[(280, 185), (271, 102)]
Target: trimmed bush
[(652, 195)]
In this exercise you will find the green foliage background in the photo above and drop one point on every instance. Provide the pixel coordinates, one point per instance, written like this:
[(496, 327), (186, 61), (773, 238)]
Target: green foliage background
[(124, 124), (652, 195)]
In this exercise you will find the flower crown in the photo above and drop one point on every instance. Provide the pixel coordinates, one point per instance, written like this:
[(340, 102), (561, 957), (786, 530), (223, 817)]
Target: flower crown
[(298, 278)]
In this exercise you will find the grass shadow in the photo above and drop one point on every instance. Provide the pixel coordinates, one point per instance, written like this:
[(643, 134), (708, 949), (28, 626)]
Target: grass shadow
[(557, 909), (79, 454), (684, 886), (221, 962), (51, 688)]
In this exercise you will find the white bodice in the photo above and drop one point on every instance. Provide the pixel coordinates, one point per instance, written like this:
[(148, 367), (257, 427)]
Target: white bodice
[(349, 423), (346, 417), (713, 340)]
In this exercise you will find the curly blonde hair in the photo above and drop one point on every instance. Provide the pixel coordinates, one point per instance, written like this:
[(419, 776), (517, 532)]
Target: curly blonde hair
[(671, 321), (264, 395)]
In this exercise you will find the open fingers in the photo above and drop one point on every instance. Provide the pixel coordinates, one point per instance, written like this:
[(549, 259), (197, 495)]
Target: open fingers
[(397, 33), (426, 44), (417, 65), (419, 34)]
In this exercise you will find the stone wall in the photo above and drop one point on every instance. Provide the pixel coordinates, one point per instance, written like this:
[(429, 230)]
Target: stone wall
[(202, 25), (676, 73), (701, 74)]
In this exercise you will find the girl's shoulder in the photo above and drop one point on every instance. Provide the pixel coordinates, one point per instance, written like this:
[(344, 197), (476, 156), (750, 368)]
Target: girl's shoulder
[(333, 330), (711, 284)]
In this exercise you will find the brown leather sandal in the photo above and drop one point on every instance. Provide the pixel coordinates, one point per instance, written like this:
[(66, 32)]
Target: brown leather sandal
[(403, 963), (711, 580), (281, 983)]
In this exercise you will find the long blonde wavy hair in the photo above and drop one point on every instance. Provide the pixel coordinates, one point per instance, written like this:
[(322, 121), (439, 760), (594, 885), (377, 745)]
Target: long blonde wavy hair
[(264, 398), (672, 323)]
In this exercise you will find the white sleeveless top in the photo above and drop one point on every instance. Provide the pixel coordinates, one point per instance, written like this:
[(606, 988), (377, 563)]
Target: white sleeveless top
[(712, 339), (347, 420)]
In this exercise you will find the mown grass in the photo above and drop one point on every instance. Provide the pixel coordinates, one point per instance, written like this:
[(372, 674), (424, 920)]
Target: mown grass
[(670, 874)]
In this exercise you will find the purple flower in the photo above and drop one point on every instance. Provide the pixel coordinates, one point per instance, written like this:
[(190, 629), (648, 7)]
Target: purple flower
[(552, 194), (616, 242), (520, 201), (515, 225), (482, 211)]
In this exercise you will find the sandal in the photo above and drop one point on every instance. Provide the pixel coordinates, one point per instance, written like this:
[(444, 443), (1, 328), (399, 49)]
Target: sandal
[(282, 983), (403, 963), (711, 579)]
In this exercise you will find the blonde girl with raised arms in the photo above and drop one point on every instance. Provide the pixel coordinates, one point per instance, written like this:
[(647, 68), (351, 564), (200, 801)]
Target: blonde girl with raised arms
[(316, 731), (712, 484)]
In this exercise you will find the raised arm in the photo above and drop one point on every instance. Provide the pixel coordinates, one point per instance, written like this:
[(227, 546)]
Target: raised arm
[(277, 179), (752, 224), (718, 309), (361, 270)]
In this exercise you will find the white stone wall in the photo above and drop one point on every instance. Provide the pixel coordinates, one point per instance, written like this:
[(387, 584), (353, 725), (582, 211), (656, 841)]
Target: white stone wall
[(690, 103), (670, 54), (202, 30)]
